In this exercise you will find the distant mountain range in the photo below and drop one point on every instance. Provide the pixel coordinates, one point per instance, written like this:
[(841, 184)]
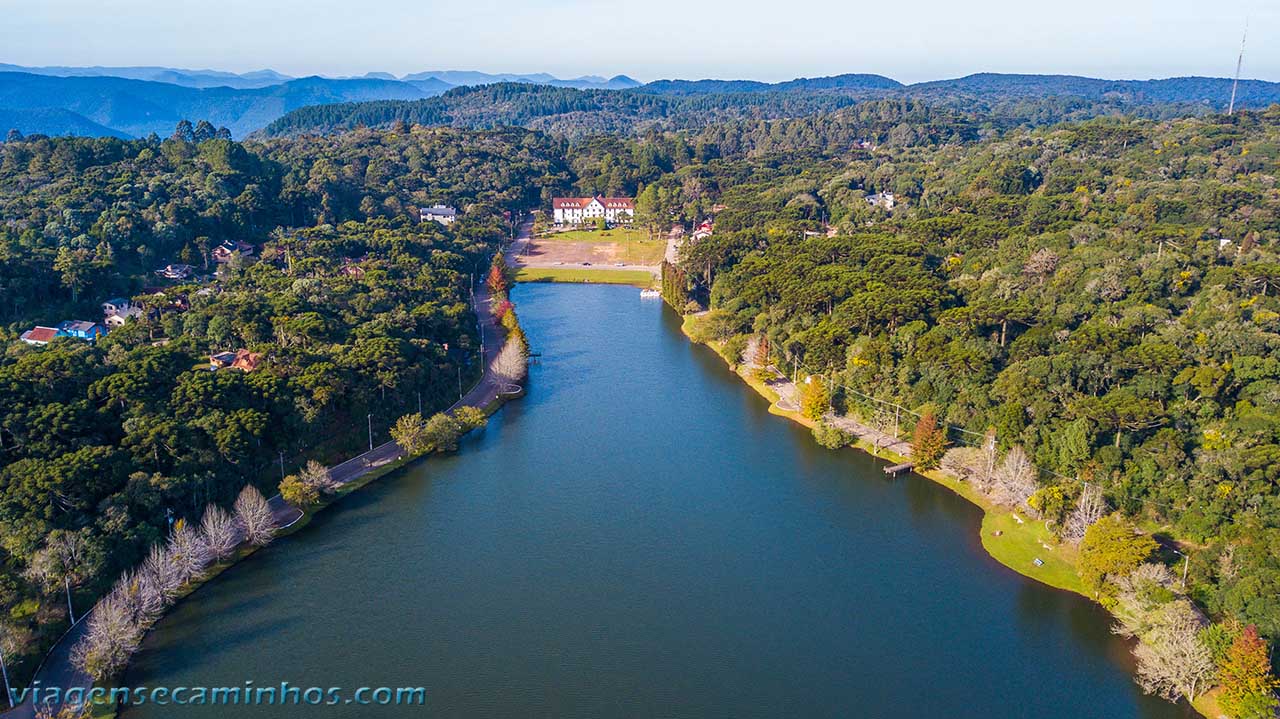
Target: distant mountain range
[(137, 101)]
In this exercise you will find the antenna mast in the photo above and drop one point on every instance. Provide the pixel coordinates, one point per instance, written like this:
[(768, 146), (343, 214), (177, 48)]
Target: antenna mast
[(1231, 109)]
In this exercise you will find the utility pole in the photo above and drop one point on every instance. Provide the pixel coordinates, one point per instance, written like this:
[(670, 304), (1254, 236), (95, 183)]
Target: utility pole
[(281, 465), (8, 691), (71, 611), (370, 418), (1185, 561), (419, 404)]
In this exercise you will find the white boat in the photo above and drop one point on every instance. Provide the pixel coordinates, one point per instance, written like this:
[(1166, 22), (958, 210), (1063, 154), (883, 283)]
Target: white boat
[(650, 295)]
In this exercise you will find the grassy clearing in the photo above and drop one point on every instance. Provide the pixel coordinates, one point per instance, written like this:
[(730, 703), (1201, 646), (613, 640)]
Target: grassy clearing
[(629, 245), (639, 278), (617, 234)]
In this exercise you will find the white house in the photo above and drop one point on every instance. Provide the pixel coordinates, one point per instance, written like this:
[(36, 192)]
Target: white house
[(443, 214), (882, 199), (117, 310), (577, 210)]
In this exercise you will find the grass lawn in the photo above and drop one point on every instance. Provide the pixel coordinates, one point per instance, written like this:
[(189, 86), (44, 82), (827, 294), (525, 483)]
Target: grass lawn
[(639, 278), (632, 246)]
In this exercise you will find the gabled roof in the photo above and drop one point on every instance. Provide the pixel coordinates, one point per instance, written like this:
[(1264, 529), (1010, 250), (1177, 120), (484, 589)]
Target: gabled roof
[(578, 203), (40, 334), (439, 210), (77, 326)]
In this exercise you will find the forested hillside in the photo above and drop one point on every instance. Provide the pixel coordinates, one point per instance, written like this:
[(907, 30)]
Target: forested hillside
[(350, 307), (665, 105), (1103, 295)]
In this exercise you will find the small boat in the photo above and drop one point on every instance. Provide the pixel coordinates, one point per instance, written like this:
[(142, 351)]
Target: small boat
[(650, 294)]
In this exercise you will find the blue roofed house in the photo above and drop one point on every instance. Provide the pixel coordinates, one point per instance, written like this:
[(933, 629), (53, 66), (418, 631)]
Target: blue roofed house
[(81, 329)]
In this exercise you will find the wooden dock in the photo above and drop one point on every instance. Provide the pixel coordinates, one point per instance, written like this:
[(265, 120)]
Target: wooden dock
[(897, 468)]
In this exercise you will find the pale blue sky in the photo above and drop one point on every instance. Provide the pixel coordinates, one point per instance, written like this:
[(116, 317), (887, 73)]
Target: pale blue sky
[(650, 39)]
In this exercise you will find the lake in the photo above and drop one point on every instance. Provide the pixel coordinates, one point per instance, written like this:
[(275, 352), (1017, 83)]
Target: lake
[(639, 537)]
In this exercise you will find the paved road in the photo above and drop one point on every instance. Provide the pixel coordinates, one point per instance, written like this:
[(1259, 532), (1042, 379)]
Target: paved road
[(59, 671)]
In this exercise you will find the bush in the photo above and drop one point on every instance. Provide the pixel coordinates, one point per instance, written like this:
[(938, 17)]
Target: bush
[(831, 436), (470, 418)]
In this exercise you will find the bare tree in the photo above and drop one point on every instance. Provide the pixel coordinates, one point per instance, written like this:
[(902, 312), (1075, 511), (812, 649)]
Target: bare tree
[(1173, 662), (253, 514), (317, 475), (187, 551), (510, 364), (220, 533), (1090, 507), (1040, 264), (161, 573), (110, 639), (64, 562), (967, 463), (141, 599), (1015, 480)]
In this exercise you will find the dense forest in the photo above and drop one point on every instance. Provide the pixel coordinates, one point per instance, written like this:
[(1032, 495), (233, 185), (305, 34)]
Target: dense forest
[(1102, 298), (346, 306), (1005, 101)]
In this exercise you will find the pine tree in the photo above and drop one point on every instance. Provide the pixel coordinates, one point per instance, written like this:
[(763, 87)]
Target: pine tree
[(928, 443), (1248, 686)]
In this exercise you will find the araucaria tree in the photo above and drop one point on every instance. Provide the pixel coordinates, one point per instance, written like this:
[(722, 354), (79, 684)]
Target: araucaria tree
[(928, 442)]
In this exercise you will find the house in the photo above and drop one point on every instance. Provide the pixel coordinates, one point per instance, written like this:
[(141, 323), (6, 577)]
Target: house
[(443, 214), (246, 361), (577, 210), (81, 330), (39, 336), (243, 360), (117, 310), (176, 272), (221, 360), (882, 199), (224, 252), (703, 231)]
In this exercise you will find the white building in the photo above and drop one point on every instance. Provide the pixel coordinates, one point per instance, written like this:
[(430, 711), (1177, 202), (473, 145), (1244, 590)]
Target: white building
[(577, 210), (118, 310), (443, 214), (882, 199)]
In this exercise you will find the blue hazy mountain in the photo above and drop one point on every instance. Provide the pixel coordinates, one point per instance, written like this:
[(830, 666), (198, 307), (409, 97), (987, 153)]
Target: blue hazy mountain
[(174, 76), (140, 107), (54, 121), (472, 77)]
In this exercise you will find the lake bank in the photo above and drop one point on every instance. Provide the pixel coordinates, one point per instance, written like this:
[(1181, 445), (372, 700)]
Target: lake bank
[(1022, 544), (638, 537)]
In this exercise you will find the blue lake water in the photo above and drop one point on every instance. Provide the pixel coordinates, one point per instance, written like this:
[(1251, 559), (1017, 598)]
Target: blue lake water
[(638, 537)]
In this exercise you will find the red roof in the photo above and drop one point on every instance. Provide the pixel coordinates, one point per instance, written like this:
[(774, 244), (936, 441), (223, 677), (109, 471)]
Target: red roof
[(40, 334)]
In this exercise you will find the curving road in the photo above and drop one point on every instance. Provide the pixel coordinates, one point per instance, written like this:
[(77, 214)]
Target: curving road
[(59, 671)]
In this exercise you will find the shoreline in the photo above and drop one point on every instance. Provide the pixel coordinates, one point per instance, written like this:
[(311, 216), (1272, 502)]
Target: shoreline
[(478, 396), (1019, 534)]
